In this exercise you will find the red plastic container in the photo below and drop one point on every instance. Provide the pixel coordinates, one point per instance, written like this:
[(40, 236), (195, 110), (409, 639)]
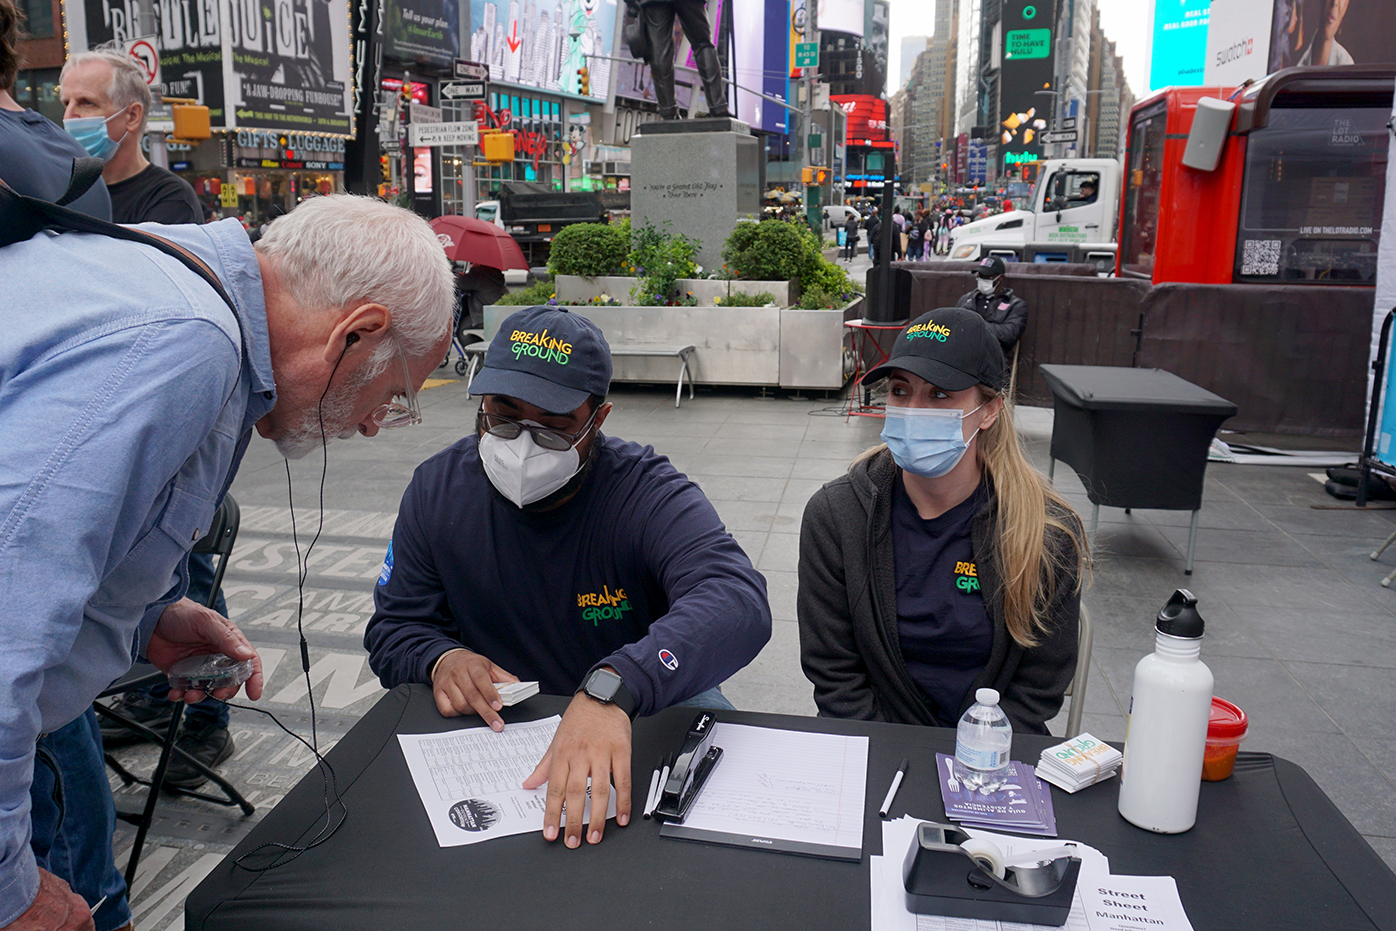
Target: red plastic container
[(1225, 730)]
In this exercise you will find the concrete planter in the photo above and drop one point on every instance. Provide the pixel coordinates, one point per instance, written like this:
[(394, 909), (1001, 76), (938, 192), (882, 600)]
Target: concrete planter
[(783, 347), (577, 288), (706, 290)]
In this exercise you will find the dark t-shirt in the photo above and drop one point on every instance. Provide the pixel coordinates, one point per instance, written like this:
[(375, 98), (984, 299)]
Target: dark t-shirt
[(36, 158), (155, 195), (946, 636)]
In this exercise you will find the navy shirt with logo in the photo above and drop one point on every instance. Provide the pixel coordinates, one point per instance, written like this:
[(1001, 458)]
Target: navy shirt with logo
[(946, 635), (636, 571)]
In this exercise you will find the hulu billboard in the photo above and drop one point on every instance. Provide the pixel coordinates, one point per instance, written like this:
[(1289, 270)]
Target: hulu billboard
[(1028, 60)]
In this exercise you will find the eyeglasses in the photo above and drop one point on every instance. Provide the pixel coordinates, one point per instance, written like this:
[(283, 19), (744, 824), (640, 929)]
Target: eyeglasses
[(396, 414), (507, 428)]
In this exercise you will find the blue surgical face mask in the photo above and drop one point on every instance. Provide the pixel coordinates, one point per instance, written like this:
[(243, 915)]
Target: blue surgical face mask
[(926, 441), (91, 133)]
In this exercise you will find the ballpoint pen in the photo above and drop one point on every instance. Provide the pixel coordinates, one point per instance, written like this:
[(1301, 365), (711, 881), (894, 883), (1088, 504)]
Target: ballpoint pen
[(892, 791), (98, 905)]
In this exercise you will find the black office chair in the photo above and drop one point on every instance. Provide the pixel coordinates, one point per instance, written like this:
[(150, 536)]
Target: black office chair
[(219, 542)]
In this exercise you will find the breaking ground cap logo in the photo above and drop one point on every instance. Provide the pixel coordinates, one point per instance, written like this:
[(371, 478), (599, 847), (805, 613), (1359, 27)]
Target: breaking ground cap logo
[(541, 346), (928, 330), (668, 659), (474, 814)]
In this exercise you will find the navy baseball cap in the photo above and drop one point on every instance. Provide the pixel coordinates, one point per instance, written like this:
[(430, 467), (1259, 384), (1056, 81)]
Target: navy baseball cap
[(991, 266), (950, 347), (547, 357)]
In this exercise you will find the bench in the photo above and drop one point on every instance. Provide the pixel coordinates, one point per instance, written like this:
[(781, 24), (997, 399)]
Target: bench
[(476, 351)]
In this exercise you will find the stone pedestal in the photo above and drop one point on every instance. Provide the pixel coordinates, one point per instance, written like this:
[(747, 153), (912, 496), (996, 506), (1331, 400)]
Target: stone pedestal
[(699, 176)]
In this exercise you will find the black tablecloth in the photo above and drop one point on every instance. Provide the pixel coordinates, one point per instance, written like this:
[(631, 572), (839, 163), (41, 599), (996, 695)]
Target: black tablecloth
[(1138, 438), (1269, 851)]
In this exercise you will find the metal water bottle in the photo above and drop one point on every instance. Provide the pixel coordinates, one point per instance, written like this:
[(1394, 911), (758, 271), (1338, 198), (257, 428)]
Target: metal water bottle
[(1167, 732)]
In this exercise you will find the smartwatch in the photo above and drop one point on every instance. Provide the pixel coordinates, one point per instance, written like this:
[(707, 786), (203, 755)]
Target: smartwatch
[(608, 688)]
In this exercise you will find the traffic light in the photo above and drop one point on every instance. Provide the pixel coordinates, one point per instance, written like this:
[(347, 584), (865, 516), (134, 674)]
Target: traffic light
[(584, 74), (497, 147), (814, 175), (807, 175), (386, 167), (821, 175)]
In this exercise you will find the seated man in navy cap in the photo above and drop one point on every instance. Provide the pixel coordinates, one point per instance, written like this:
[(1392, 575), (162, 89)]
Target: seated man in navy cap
[(1005, 312), (539, 548)]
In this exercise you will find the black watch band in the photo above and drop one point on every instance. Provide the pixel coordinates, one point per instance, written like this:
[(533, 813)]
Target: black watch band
[(607, 687)]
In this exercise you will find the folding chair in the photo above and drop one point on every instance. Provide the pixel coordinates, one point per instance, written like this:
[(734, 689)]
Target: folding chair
[(1085, 641), (219, 542)]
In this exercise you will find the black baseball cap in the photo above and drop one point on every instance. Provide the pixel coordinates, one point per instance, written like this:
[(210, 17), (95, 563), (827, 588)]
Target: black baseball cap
[(949, 347), (991, 266), (547, 357)]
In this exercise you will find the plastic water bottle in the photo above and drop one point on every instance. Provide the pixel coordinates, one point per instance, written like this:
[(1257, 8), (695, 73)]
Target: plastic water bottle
[(1167, 736), (982, 744)]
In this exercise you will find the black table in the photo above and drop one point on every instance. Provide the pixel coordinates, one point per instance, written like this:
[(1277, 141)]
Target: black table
[(1269, 850), (1138, 438)]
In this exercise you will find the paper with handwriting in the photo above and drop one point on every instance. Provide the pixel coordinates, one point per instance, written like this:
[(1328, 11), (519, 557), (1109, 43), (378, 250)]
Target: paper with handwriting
[(791, 791)]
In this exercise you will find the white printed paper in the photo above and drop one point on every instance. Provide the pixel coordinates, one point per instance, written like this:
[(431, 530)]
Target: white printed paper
[(470, 781), (1124, 903)]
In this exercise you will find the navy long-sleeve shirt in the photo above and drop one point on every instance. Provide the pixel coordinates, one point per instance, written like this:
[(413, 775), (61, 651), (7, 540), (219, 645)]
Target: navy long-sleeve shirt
[(636, 572)]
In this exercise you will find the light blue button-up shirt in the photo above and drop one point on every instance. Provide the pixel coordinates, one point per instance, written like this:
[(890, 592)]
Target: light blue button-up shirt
[(128, 392)]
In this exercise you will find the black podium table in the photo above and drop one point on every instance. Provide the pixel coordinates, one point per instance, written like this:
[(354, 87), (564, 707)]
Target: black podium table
[(1269, 850), (1138, 438)]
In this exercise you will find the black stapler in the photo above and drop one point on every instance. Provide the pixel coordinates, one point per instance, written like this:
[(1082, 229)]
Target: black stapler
[(942, 878), (690, 771)]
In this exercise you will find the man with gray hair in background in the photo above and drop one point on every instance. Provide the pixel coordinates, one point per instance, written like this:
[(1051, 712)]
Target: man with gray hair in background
[(105, 106), (128, 394)]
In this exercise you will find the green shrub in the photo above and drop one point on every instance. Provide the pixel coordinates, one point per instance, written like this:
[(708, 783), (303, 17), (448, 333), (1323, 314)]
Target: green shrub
[(739, 299), (774, 251), (660, 259), (588, 249), (540, 292)]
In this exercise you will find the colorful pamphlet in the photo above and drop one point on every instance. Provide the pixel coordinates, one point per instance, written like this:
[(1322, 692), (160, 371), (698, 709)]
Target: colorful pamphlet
[(1022, 805), (1082, 761)]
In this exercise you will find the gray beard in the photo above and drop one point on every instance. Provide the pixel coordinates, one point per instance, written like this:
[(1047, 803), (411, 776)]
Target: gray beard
[(306, 432)]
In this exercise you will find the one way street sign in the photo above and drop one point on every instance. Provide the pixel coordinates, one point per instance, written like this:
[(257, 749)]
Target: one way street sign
[(464, 90)]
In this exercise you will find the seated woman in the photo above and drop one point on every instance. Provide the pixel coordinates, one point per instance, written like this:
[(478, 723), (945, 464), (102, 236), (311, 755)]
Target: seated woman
[(942, 562)]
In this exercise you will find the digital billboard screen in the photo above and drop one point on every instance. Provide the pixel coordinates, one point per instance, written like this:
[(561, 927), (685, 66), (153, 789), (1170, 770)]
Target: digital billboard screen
[(545, 44), (1025, 83), (1179, 43)]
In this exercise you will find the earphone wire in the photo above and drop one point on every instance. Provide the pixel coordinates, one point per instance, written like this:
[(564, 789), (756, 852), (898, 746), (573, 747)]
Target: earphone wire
[(332, 797)]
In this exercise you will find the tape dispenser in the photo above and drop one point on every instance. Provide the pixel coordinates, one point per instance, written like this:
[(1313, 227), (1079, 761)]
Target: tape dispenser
[(947, 872)]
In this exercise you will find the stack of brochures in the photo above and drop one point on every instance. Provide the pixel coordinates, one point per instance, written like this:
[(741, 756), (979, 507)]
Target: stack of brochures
[(1079, 762), (511, 693), (1023, 804)]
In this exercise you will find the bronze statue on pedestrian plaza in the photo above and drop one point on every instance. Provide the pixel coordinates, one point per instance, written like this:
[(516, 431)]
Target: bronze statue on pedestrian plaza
[(651, 39)]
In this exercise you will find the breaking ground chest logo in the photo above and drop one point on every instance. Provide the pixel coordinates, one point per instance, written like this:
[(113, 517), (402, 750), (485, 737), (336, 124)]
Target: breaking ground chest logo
[(967, 577), (604, 605), (474, 814)]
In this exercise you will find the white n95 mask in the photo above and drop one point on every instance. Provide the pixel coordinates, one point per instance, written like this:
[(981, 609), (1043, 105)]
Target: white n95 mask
[(985, 285), (523, 471)]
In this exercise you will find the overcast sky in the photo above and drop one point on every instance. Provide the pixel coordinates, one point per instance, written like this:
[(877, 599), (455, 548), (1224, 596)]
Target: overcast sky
[(1124, 21)]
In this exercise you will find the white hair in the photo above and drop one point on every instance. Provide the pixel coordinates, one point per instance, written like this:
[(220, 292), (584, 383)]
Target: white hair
[(127, 80), (341, 250)]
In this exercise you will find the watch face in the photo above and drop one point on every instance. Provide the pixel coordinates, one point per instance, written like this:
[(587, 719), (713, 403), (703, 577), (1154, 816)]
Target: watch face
[(602, 685)]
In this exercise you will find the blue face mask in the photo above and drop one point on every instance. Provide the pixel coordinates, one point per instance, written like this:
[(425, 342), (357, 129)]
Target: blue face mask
[(926, 441), (91, 133)]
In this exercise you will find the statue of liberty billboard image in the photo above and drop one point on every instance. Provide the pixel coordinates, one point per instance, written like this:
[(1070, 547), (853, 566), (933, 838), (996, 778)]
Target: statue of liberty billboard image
[(544, 43)]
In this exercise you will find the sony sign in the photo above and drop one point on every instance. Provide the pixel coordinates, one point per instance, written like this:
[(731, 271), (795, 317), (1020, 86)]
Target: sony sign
[(1238, 41)]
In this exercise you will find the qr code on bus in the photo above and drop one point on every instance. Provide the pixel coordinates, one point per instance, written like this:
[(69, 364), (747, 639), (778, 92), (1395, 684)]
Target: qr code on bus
[(1260, 257)]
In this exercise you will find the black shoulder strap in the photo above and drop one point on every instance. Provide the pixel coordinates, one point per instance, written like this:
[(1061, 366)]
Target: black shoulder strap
[(21, 216)]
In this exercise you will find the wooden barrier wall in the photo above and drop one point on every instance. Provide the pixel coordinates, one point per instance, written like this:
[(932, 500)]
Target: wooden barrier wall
[(1294, 360)]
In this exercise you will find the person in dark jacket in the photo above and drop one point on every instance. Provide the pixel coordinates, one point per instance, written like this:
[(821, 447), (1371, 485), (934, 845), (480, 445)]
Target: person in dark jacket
[(1005, 312), (873, 224), (850, 236), (942, 562), (539, 548)]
